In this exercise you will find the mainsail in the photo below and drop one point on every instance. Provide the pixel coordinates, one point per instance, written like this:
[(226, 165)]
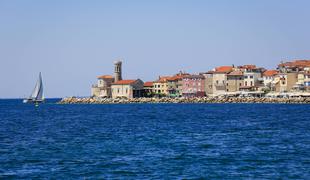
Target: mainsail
[(37, 93)]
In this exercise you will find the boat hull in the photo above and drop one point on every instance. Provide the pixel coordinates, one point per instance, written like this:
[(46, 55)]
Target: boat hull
[(32, 101)]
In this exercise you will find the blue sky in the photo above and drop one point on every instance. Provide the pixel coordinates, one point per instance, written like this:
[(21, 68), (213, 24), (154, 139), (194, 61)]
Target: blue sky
[(71, 41)]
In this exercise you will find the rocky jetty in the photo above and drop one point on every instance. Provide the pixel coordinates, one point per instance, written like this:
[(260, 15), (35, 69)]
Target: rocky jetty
[(286, 100)]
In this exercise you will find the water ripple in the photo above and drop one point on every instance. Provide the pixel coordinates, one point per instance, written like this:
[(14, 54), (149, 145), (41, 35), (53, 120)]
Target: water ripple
[(154, 141)]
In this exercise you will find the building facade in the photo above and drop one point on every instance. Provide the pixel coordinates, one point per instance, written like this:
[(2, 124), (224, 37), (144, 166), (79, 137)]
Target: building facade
[(253, 78), (175, 84), (270, 79), (219, 78), (208, 82), (148, 89), (307, 80), (127, 89), (293, 76), (103, 86), (160, 86), (193, 86), (234, 81), (287, 81)]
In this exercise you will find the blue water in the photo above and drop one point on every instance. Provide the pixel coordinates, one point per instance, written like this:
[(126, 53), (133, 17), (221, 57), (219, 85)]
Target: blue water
[(154, 141)]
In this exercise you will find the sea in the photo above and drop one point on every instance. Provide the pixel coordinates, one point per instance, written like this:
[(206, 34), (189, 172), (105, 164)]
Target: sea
[(154, 141)]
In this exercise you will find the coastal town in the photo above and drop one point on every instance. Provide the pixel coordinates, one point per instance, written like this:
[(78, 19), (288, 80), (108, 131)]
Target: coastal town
[(289, 79)]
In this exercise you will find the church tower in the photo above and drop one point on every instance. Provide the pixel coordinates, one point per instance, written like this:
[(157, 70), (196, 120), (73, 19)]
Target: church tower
[(118, 70)]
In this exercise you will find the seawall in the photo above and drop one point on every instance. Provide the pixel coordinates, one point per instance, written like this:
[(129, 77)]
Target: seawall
[(291, 100)]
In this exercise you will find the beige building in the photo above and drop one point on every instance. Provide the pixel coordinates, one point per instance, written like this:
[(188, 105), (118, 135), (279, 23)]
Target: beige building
[(252, 79), (216, 80), (287, 81), (127, 88), (294, 76), (160, 86), (208, 82), (219, 83), (234, 81), (219, 79), (103, 86)]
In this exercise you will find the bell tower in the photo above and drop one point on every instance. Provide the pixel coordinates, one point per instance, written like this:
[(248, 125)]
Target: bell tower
[(118, 70)]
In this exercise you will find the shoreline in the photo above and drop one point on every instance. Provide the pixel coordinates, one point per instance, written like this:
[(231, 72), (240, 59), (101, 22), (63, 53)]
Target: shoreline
[(181, 100)]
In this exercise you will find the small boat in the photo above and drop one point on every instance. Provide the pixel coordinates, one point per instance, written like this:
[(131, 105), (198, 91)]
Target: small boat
[(36, 96)]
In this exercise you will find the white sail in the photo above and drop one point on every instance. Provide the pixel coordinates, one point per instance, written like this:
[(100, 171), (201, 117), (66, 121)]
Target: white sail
[(37, 93)]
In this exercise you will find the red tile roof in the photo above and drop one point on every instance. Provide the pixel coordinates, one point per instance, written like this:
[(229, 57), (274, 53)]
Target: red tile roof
[(124, 82), (270, 73), (248, 66), (148, 84), (224, 69), (235, 73), (296, 63), (105, 77), (162, 79), (177, 77)]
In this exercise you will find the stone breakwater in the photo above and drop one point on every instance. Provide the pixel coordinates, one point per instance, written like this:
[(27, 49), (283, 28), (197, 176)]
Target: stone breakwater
[(293, 100)]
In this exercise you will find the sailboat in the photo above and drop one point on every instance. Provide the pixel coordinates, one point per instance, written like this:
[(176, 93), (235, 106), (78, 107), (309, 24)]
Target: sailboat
[(37, 93)]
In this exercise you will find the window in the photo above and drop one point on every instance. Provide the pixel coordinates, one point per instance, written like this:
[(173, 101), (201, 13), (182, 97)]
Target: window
[(246, 83), (217, 82), (251, 83), (126, 90), (251, 77), (117, 90), (240, 84)]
